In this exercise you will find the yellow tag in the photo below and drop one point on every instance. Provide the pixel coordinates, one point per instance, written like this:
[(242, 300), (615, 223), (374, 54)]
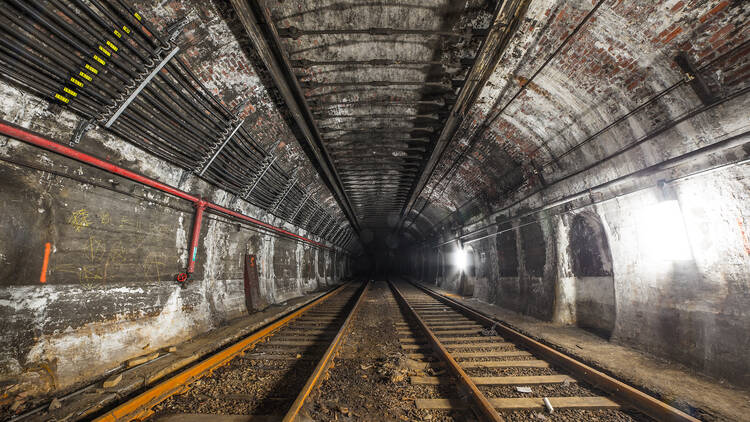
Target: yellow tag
[(137, 16), (105, 51), (125, 28), (61, 98), (77, 82), (91, 69), (118, 34), (102, 62), (112, 46), (84, 76), (70, 91)]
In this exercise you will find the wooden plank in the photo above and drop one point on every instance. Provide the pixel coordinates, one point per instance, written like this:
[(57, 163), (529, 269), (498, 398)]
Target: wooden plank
[(525, 403), (464, 355), (525, 380), (456, 332), (421, 356), (414, 346), (477, 345), (500, 341), (455, 325), (412, 340), (439, 323), (447, 318), (200, 417), (496, 364), (493, 354), (506, 364)]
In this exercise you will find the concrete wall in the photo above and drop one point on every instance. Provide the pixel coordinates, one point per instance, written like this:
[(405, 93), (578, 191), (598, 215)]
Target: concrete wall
[(109, 292), (607, 116), (629, 284)]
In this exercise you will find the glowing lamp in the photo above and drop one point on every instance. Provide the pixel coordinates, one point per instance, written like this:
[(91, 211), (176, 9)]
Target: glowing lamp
[(460, 259), (664, 233)]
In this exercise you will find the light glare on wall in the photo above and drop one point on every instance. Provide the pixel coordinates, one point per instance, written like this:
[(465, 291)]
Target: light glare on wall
[(460, 259), (664, 232)]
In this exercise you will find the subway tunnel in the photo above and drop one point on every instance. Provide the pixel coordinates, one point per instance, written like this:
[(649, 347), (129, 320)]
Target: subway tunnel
[(190, 189)]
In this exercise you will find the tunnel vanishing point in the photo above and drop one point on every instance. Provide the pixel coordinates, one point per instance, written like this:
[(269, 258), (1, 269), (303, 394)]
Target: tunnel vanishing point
[(398, 210)]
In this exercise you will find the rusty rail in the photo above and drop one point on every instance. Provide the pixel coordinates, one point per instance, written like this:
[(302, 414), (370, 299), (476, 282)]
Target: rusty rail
[(483, 407), (623, 392), (325, 363), (140, 406)]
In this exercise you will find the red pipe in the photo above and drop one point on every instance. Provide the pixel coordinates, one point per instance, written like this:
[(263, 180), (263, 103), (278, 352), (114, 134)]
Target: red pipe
[(21, 134), (199, 208)]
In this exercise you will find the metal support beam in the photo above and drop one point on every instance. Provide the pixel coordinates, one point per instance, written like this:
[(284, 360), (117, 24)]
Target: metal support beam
[(142, 85), (258, 24), (294, 32), (267, 163), (288, 188), (220, 148), (508, 17), (301, 204)]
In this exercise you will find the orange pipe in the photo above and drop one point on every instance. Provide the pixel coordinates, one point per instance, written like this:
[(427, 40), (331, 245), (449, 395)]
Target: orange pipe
[(43, 277)]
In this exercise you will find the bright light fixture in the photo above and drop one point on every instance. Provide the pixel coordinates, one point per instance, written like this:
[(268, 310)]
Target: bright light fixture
[(663, 231), (460, 259)]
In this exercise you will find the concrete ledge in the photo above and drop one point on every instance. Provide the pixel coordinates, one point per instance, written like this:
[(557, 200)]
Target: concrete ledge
[(96, 398)]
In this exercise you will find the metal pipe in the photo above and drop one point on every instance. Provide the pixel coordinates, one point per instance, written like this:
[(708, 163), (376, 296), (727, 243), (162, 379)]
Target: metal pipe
[(24, 135), (200, 206)]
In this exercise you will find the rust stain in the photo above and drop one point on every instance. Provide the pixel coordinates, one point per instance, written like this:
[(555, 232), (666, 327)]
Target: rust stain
[(745, 239)]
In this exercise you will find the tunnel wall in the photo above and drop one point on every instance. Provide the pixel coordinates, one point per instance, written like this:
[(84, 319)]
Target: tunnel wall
[(603, 272), (115, 247)]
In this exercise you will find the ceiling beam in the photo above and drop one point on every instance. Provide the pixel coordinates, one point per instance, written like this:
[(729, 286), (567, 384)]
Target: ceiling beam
[(508, 17), (313, 84), (294, 32), (256, 20), (304, 63)]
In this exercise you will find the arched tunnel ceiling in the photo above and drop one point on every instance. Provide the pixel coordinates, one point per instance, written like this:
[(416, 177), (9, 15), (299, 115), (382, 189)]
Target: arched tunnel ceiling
[(604, 78), (380, 79), (409, 116), (577, 82)]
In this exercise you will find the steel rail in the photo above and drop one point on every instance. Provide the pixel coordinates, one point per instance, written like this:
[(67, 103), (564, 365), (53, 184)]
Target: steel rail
[(484, 408), (325, 363), (624, 392), (140, 406)]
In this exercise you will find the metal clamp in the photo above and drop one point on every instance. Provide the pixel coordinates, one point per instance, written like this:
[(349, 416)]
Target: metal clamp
[(288, 188), (310, 218), (82, 127), (301, 204), (267, 163), (327, 228), (142, 85), (217, 148)]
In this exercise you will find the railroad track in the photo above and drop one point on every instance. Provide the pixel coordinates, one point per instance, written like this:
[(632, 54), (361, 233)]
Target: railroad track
[(264, 377), (487, 361)]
